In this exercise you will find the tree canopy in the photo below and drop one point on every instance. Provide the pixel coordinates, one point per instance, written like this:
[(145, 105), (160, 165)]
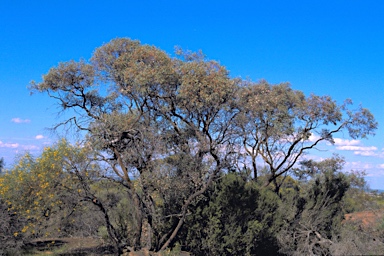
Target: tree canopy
[(165, 129)]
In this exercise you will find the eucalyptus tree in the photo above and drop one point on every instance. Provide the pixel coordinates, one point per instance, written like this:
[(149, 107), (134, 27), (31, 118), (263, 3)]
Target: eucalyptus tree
[(165, 127), (161, 124)]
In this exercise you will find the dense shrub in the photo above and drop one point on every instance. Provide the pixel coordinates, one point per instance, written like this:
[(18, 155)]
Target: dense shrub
[(237, 217)]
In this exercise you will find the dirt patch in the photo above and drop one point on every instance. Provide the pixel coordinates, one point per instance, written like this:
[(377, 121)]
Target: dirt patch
[(366, 218)]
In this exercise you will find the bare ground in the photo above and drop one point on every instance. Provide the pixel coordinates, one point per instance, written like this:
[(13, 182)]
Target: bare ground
[(366, 218)]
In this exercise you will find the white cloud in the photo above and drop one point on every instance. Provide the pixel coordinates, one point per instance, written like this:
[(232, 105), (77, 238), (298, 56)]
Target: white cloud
[(365, 153), (19, 120), (39, 137), (357, 148), (30, 147), (342, 142), (313, 138), (338, 142), (381, 166), (8, 145), (360, 150), (354, 145), (18, 146)]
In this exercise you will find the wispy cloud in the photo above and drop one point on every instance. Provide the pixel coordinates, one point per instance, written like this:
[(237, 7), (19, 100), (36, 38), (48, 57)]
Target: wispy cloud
[(357, 148), (365, 153), (377, 171), (354, 145), (30, 147), (18, 146), (39, 137), (19, 120), (358, 165), (8, 145)]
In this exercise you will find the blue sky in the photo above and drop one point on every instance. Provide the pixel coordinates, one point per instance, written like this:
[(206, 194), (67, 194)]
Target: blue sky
[(325, 47)]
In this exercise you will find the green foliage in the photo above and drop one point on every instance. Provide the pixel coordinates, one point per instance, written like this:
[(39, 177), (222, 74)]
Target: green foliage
[(119, 206), (236, 218), (313, 217), (103, 233)]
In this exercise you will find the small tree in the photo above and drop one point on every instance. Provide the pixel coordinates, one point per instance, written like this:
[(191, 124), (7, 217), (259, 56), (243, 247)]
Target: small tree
[(237, 217), (317, 213), (52, 190)]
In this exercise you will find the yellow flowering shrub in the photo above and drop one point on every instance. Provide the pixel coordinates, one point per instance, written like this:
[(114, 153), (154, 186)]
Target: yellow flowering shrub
[(35, 188)]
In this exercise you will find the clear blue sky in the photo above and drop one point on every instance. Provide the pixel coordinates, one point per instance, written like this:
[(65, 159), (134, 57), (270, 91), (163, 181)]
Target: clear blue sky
[(325, 47)]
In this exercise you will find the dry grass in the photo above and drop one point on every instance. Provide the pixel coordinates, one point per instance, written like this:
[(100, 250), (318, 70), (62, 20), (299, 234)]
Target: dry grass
[(68, 246)]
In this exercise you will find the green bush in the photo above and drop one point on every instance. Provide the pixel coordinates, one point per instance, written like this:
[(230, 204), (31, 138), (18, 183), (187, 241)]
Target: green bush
[(236, 218)]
